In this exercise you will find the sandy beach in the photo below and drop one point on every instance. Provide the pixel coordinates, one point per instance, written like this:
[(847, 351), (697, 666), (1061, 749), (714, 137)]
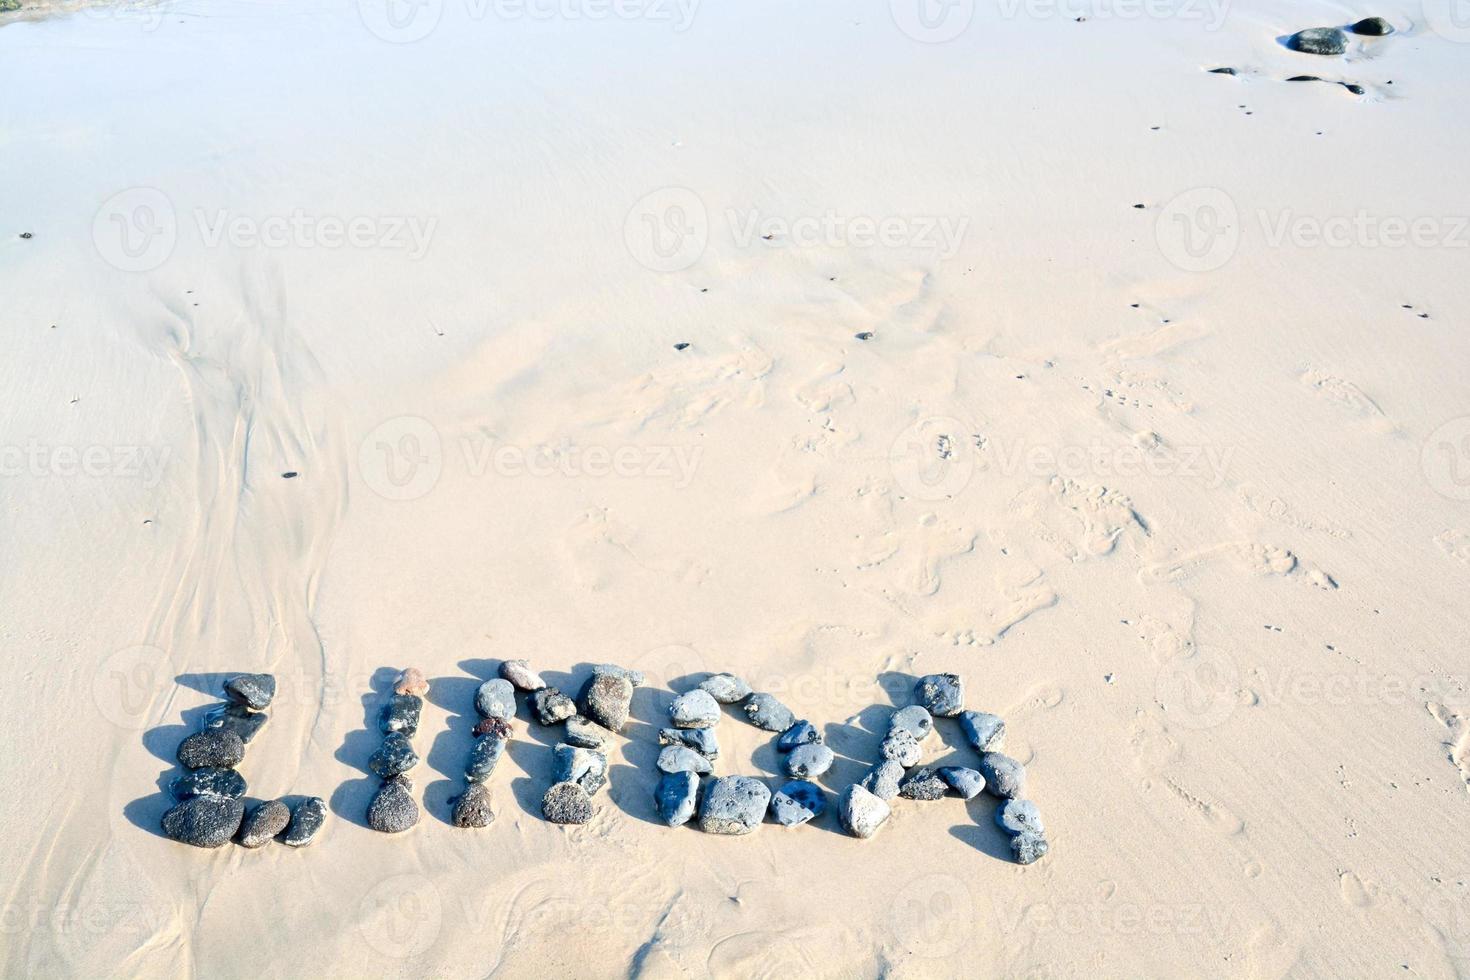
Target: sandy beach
[(829, 344)]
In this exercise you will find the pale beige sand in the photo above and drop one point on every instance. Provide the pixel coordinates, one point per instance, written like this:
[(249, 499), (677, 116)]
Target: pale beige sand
[(1191, 514)]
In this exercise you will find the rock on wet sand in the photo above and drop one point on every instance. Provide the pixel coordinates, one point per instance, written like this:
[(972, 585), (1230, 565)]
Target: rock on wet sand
[(204, 821), (496, 698), (862, 813), (1004, 776), (588, 734), (764, 711), (412, 681), (1019, 817), (1029, 848), (607, 700), (694, 709), (797, 803), (393, 808), (725, 688), (965, 782), (401, 714), (519, 673), (307, 819), (254, 691), (472, 809), (734, 805), (1318, 40), (681, 758), (394, 756), (985, 732), (942, 694), (215, 747), (566, 803), (574, 764), (677, 797), (552, 706), (701, 740), (809, 761), (801, 733), (236, 718), (263, 823), (923, 784), (883, 779), (915, 719)]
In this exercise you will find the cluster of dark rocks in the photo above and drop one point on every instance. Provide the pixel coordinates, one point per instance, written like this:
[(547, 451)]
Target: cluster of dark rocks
[(579, 761), (209, 800), (495, 704), (393, 809), (1333, 40)]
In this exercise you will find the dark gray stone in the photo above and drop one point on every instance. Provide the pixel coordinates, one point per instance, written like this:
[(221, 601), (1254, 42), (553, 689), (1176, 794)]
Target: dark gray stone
[(861, 812), (483, 757), (725, 688), (901, 747), (263, 823), (985, 732), (1029, 848), (1318, 40), (883, 779), (809, 761), (566, 803), (401, 714), (236, 718), (393, 808), (394, 756), (587, 734), (923, 784), (211, 747), (204, 821), (681, 758), (208, 781), (734, 805), (607, 699), (552, 706), (801, 733), (472, 809), (519, 673), (677, 797), (764, 711), (967, 783), (574, 764), (1372, 27), (942, 694), (254, 691), (1004, 776), (496, 698), (701, 740), (1019, 817), (797, 802), (915, 719), (307, 818), (694, 709)]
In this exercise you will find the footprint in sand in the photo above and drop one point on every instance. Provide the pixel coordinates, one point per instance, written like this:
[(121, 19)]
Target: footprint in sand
[(925, 548), (1459, 738), (1099, 516), (1342, 391), (1258, 559), (1357, 892)]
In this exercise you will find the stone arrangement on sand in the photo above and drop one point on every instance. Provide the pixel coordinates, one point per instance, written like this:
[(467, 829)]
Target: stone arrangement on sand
[(495, 703), (209, 797), (393, 809), (579, 761)]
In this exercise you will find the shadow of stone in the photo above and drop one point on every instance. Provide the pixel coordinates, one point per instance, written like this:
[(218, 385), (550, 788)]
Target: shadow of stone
[(983, 834), (450, 749), (349, 801), (211, 683)]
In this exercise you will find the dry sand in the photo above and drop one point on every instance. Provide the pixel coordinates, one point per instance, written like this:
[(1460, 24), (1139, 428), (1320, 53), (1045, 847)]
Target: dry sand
[(1183, 491)]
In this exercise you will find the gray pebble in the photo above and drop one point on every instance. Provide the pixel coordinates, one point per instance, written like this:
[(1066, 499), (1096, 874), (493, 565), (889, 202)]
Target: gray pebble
[(861, 812), (236, 718), (552, 706), (496, 698), (587, 734), (797, 803), (204, 821), (694, 709), (801, 733), (1318, 40), (677, 797), (263, 823), (901, 747), (942, 694), (519, 673), (764, 711), (915, 719), (1004, 776), (1019, 817), (967, 783), (566, 803), (725, 688), (629, 674), (208, 781), (883, 779), (252, 690), (394, 756), (1029, 848), (923, 784), (681, 758), (701, 740), (307, 818), (1372, 27), (393, 808), (607, 699), (401, 714), (574, 764), (483, 757), (211, 747), (809, 761), (985, 732), (472, 809), (733, 805)]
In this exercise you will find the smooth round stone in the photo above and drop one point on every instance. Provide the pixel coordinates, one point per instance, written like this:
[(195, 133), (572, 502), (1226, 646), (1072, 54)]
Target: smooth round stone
[(1372, 27), (923, 784), (499, 727), (681, 758), (883, 779), (694, 709), (764, 711), (519, 673), (1004, 776), (967, 783), (496, 698), (725, 688), (677, 797), (629, 674), (901, 747), (809, 761), (607, 700), (985, 732), (587, 734), (412, 681), (236, 718), (401, 714), (307, 818), (208, 781), (552, 706), (734, 805), (915, 719), (1029, 848), (1318, 40), (394, 756), (483, 757), (801, 733), (204, 821), (393, 808), (472, 809), (574, 764), (254, 691), (797, 802), (701, 740), (211, 747), (566, 803), (942, 694), (1019, 817), (861, 812), (263, 823)]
